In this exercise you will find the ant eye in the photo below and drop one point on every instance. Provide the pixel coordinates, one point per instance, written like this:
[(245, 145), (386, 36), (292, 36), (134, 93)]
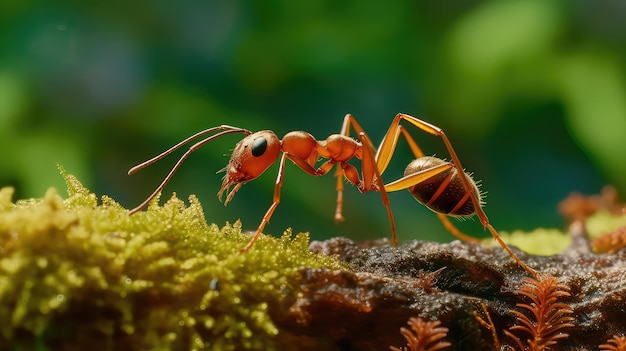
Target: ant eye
[(258, 147)]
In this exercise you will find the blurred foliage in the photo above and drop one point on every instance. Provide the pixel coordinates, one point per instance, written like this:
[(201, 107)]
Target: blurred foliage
[(540, 241), (532, 94)]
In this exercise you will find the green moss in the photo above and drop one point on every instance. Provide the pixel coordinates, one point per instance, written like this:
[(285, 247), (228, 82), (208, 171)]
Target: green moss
[(76, 272)]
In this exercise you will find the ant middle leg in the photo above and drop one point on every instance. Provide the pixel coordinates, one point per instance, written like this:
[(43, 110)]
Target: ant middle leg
[(371, 178)]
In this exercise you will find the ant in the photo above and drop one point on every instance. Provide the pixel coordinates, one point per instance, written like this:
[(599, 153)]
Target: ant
[(442, 186)]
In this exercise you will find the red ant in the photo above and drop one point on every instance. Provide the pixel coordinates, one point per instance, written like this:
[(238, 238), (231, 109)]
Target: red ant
[(442, 186)]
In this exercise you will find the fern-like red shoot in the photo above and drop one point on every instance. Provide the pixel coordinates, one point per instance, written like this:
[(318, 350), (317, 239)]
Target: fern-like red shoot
[(487, 322), (423, 336), (546, 318), (616, 343)]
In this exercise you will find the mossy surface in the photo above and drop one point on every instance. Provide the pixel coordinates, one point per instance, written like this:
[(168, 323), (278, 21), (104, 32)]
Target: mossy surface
[(78, 273)]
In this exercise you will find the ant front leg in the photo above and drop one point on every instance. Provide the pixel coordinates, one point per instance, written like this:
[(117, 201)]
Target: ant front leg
[(270, 211), (302, 164)]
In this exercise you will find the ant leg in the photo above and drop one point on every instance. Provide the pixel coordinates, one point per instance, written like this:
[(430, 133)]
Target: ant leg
[(506, 248), (370, 173), (454, 230), (345, 130), (385, 152), (339, 208), (276, 201), (383, 157), (434, 130), (302, 164), (416, 178), (388, 145)]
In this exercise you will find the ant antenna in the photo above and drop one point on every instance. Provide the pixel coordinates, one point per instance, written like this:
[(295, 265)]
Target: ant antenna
[(225, 129)]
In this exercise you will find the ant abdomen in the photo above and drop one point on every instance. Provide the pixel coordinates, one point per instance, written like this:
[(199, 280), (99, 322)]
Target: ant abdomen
[(444, 192)]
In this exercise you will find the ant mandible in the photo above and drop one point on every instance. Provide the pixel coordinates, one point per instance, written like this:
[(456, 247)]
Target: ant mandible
[(442, 186)]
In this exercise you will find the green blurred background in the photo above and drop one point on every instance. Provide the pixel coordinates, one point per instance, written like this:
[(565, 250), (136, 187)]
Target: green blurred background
[(531, 93)]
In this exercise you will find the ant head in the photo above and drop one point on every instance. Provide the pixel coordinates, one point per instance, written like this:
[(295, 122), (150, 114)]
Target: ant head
[(251, 157)]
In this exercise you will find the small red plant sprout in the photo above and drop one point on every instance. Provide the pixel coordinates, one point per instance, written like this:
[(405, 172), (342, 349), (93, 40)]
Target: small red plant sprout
[(610, 242), (616, 343), (487, 323), (546, 317), (423, 336)]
